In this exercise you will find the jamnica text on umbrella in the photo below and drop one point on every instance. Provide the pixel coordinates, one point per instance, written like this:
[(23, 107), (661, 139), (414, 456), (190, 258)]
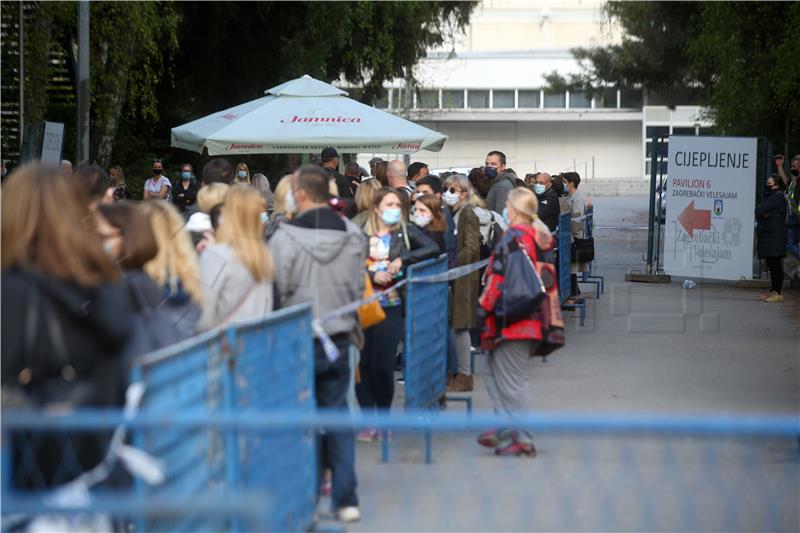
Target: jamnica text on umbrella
[(296, 118)]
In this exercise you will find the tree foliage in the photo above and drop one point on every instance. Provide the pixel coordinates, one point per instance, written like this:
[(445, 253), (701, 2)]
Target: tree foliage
[(739, 59), (159, 64)]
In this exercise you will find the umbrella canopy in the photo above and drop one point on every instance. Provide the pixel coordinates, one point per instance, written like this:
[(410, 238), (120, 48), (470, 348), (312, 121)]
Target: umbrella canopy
[(301, 116)]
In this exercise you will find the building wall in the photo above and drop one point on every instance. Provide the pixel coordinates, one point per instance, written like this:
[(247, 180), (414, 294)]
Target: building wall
[(603, 150)]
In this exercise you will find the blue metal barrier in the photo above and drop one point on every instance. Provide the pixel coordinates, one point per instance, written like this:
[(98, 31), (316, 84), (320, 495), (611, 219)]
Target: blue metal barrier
[(564, 233), (641, 472), (425, 344), (255, 479), (589, 277)]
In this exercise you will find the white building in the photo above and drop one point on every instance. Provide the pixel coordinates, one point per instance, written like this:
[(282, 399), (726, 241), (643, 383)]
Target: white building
[(485, 91)]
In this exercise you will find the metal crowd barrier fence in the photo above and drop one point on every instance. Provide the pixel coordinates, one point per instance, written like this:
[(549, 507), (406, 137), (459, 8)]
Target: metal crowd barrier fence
[(425, 344), (589, 277), (251, 478), (642, 472), (564, 233)]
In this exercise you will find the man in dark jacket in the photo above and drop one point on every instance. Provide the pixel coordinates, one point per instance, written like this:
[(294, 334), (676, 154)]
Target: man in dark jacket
[(502, 181), (330, 162), (319, 258), (548, 200)]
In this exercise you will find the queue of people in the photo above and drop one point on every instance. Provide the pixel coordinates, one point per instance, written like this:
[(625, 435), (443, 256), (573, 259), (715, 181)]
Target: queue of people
[(205, 253)]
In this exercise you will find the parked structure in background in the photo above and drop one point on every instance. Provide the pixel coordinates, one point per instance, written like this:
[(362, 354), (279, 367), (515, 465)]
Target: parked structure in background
[(486, 89)]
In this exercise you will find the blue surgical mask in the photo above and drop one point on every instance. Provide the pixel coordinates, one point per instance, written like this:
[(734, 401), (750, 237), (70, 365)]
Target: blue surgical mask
[(391, 216), (242, 173), (505, 216), (490, 172), (264, 217), (186, 175), (539, 189)]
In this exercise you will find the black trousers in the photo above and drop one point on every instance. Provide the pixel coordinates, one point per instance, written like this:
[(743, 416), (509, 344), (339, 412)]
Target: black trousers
[(377, 360), (775, 266)]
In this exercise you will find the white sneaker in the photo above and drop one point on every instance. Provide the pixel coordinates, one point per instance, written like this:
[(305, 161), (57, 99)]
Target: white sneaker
[(348, 514)]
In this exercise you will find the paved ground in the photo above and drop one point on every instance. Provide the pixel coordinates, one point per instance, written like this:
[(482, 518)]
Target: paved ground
[(645, 348)]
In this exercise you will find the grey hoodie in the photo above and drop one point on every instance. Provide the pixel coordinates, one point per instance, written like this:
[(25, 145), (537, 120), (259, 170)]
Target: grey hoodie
[(322, 266), (502, 184)]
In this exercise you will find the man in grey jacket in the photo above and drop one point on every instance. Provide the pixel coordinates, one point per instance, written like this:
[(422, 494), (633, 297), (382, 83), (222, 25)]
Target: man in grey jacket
[(319, 258), (502, 181)]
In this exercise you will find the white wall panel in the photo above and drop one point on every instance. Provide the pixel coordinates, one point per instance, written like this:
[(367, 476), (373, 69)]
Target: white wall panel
[(551, 146)]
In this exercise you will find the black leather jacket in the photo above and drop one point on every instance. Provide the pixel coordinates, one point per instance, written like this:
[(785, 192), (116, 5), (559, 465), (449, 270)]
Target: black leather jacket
[(417, 247)]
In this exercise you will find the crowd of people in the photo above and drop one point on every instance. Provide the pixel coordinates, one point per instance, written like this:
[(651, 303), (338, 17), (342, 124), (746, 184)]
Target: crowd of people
[(92, 279)]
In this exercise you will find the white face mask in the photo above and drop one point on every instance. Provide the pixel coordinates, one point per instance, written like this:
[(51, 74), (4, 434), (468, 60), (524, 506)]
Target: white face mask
[(451, 198), (291, 205), (421, 220)]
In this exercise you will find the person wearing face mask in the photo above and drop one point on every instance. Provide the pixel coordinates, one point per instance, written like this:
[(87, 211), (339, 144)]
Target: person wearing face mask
[(463, 316), (393, 246), (185, 195), (501, 181), (771, 218), (548, 200), (157, 187), (64, 318), (319, 258), (429, 217), (243, 173)]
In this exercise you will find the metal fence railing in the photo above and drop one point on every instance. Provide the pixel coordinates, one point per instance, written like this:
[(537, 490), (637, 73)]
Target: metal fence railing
[(593, 472), (564, 253), (254, 479), (589, 276)]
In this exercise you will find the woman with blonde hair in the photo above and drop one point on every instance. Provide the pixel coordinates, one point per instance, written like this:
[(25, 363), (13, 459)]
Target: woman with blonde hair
[(463, 317), (242, 173), (120, 188), (512, 340), (63, 304), (63, 319), (282, 208), (365, 193), (174, 268), (236, 272), (199, 224), (393, 246)]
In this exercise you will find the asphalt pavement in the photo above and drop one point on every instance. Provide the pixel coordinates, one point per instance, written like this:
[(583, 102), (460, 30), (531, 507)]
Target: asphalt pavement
[(645, 348)]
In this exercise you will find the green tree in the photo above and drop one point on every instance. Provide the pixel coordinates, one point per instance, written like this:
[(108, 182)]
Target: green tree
[(752, 54), (738, 59)]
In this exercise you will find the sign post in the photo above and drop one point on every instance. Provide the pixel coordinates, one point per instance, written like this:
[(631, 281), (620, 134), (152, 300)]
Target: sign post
[(710, 204), (52, 143)]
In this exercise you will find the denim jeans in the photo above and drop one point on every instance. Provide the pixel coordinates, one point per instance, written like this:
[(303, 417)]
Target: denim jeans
[(791, 238), (337, 448)]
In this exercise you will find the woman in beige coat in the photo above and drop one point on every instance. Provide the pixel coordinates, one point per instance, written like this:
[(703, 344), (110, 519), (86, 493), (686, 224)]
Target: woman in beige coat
[(456, 195)]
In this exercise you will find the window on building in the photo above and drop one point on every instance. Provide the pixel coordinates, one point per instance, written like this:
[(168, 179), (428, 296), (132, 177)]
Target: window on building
[(554, 100), (478, 99), (579, 99), (453, 99), (398, 99), (630, 98), (607, 99), (528, 98), (428, 99), (683, 131), (503, 99), (706, 131)]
